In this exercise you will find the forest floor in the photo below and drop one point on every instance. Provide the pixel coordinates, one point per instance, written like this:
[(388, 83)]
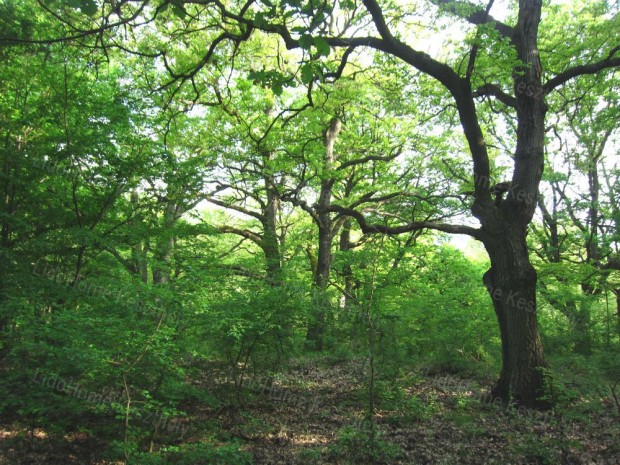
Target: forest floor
[(314, 414)]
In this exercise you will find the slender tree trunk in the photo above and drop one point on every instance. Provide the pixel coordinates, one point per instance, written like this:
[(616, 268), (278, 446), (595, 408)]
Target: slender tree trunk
[(320, 300), (271, 246), (270, 242), (165, 247), (347, 270), (581, 327), (578, 316), (581, 323), (321, 279), (139, 263), (5, 317), (617, 293), (7, 209), (321, 304)]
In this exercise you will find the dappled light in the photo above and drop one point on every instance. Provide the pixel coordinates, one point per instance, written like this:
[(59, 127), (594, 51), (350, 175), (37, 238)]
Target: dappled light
[(279, 232)]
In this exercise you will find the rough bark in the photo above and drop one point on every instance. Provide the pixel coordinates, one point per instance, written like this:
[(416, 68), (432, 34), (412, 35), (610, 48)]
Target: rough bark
[(504, 223), (511, 280), (511, 283)]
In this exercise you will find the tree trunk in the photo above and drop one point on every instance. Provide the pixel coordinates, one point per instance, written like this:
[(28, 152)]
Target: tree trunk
[(347, 270), (581, 328), (271, 246), (165, 247), (579, 318), (270, 242), (511, 283), (581, 323), (321, 304), (320, 300), (617, 294), (7, 210), (139, 261)]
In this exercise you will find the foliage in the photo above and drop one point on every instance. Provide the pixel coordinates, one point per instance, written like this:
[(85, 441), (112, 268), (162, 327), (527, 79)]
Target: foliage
[(192, 454), (167, 193), (359, 446)]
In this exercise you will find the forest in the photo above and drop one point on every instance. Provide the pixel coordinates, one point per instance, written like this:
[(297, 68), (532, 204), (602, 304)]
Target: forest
[(280, 232)]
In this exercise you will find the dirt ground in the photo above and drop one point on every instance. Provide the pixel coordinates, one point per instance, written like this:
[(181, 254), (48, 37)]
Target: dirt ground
[(316, 414)]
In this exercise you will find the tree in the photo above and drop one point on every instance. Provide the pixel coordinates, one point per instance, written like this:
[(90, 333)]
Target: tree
[(579, 223), (346, 155), (511, 280), (248, 177), (514, 79)]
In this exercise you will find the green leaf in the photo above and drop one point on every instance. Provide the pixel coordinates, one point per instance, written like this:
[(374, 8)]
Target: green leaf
[(179, 10), (259, 19), (89, 7), (306, 41), (277, 88), (307, 73), (256, 76), (322, 47)]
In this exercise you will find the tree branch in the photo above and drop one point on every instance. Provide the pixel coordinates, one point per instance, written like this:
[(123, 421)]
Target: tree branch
[(240, 271), (126, 263), (479, 16), (612, 264), (378, 19), (254, 237), (388, 43), (361, 161), (569, 206), (301, 204), (236, 208), (367, 198), (415, 226), (499, 94), (580, 70)]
